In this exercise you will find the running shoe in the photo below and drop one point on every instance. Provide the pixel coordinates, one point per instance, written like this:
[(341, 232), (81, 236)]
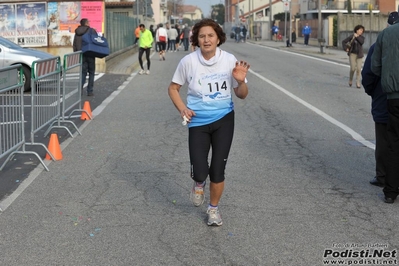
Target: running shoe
[(147, 72), (197, 194), (214, 217), (141, 72)]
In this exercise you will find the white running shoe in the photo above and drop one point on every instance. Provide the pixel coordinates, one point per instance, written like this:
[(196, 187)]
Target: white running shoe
[(214, 217), (147, 72), (141, 72), (197, 194)]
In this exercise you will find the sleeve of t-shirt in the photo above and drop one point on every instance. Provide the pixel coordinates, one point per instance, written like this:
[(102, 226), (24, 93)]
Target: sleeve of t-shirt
[(180, 76)]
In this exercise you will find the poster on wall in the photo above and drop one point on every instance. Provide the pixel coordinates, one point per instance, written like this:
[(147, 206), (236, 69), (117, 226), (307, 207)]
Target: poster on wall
[(64, 18), (7, 22), (31, 24)]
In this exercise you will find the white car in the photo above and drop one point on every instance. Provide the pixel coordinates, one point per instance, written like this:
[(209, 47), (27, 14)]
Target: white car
[(12, 54)]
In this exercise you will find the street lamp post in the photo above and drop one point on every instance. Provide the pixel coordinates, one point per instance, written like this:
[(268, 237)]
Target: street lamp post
[(270, 18), (319, 36)]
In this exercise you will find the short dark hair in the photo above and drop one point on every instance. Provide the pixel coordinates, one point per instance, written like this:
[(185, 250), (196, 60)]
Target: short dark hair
[(83, 21), (211, 23), (357, 28), (142, 26)]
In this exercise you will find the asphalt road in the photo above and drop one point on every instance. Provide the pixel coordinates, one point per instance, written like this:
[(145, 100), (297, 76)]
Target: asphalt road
[(296, 193)]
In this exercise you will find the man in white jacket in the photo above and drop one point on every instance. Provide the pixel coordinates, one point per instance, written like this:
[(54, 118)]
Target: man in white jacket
[(172, 35), (162, 39)]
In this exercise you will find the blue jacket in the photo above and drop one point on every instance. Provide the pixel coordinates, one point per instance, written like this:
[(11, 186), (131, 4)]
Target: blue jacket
[(372, 85), (306, 30)]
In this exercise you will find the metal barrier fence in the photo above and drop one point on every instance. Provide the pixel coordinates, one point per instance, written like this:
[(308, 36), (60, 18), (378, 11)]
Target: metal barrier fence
[(71, 90), (12, 135), (45, 97), (49, 104)]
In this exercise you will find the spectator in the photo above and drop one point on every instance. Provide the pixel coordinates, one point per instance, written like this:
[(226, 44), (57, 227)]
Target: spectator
[(137, 34), (172, 36), (306, 31), (385, 64), (88, 62), (274, 31), (372, 86), (353, 45)]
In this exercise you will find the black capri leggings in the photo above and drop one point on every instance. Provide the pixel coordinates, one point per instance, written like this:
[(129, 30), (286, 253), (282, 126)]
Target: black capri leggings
[(147, 56), (219, 135)]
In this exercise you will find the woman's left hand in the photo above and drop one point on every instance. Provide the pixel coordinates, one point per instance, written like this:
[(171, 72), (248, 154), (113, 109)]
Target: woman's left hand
[(240, 71)]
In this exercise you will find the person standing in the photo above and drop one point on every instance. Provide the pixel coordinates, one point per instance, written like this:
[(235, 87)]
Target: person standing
[(237, 30), (353, 45), (372, 86), (212, 75), (306, 31), (274, 31), (178, 37), (137, 34), (146, 41), (385, 64), (172, 35), (162, 40), (244, 33), (88, 62), (186, 36)]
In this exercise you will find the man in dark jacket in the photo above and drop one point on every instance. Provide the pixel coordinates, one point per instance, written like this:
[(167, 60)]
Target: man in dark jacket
[(385, 64), (372, 86), (88, 62)]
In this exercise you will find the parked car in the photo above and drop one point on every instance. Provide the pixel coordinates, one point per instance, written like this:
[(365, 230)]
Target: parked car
[(12, 54)]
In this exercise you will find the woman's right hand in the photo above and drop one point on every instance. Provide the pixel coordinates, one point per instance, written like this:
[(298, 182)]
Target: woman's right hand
[(187, 113)]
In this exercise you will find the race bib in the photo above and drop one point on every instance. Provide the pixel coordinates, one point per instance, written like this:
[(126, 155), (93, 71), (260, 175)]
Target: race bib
[(215, 86)]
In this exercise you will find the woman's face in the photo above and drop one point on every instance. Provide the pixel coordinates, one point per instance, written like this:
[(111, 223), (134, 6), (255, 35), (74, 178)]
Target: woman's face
[(208, 40), (359, 31)]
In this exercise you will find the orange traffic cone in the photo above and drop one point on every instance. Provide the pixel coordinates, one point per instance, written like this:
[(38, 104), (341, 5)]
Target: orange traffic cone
[(54, 148), (87, 110)]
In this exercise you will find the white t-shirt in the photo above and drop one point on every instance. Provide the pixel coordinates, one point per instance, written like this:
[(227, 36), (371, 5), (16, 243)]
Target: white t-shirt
[(210, 85)]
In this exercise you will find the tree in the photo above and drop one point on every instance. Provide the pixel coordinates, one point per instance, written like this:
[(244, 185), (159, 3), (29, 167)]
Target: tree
[(217, 13)]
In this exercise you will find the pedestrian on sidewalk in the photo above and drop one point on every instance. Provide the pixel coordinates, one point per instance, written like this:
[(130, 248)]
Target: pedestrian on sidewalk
[(146, 41), (353, 45), (385, 64), (274, 31), (162, 40), (306, 31), (137, 34), (88, 62), (212, 75)]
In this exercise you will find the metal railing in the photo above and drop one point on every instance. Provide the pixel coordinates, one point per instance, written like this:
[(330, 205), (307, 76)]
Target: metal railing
[(12, 121), (71, 91), (49, 103)]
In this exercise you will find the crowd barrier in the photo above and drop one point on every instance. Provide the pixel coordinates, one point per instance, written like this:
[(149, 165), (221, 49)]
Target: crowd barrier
[(12, 134), (56, 90)]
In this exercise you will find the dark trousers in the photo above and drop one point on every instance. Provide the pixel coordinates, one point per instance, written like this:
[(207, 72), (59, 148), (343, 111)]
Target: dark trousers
[(392, 170), (219, 135), (306, 39), (88, 66), (185, 42), (147, 57), (381, 151)]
